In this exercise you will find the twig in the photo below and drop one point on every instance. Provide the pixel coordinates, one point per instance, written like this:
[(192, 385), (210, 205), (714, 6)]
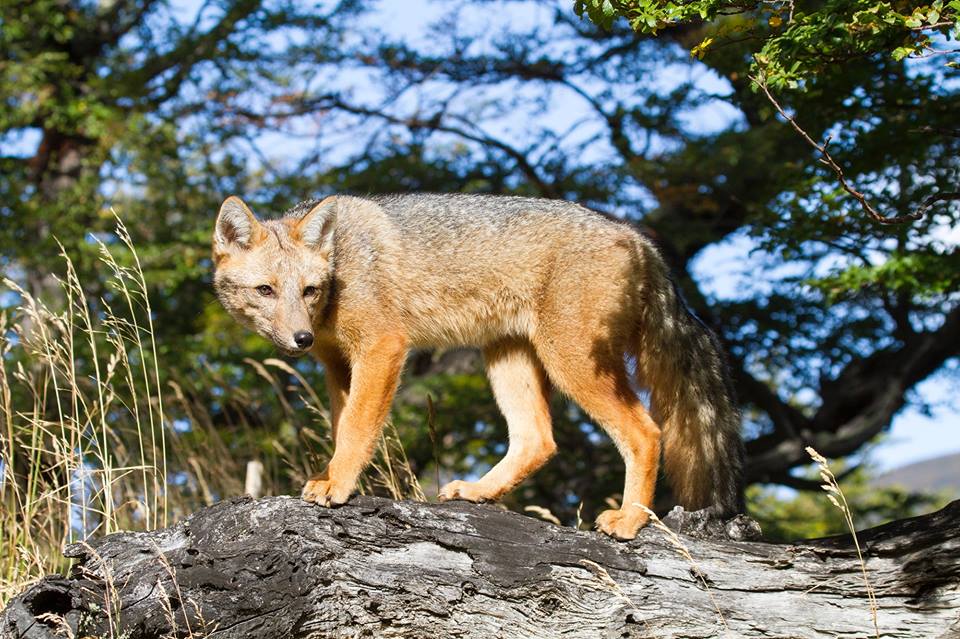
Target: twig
[(952, 133), (432, 429), (827, 159)]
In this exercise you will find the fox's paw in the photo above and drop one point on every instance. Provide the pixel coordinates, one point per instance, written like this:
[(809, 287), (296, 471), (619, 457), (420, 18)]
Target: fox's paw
[(621, 524), (465, 490), (325, 492)]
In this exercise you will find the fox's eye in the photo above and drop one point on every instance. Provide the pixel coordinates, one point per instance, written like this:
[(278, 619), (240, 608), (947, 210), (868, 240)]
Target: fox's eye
[(265, 290), (310, 291)]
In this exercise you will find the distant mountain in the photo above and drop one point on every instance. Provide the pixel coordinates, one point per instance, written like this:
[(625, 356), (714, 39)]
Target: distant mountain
[(930, 475)]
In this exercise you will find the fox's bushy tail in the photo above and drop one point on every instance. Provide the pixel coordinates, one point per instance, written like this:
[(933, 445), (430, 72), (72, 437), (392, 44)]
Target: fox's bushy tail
[(681, 362)]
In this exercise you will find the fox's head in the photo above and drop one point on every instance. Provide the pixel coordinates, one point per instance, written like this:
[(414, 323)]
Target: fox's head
[(275, 276)]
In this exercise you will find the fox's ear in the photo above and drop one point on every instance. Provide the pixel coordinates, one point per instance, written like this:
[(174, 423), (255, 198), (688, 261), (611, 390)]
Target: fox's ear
[(236, 226), (315, 229)]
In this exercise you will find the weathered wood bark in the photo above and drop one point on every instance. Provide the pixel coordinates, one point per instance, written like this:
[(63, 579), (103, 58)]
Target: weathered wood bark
[(279, 567)]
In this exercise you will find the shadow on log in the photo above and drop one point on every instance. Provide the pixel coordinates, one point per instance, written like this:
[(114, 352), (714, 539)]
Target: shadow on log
[(279, 567)]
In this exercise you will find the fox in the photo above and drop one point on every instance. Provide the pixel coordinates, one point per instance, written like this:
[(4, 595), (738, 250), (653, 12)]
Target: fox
[(556, 297)]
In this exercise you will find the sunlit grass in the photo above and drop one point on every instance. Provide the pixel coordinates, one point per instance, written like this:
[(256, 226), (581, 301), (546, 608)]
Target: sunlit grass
[(80, 451)]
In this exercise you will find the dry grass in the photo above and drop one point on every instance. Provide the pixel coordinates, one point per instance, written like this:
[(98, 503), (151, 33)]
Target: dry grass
[(834, 493), (83, 447), (609, 584), (543, 513), (837, 498)]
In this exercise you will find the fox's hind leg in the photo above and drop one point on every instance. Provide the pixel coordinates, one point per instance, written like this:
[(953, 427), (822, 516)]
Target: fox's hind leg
[(522, 392), (584, 361)]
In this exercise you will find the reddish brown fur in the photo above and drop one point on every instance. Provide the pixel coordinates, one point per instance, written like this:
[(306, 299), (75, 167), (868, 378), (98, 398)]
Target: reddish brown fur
[(552, 293)]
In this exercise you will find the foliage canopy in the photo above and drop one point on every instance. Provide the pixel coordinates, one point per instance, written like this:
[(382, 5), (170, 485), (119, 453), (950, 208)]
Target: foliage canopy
[(792, 42)]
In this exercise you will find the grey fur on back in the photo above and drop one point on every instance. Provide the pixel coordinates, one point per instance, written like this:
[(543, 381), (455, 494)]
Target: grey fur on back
[(460, 212)]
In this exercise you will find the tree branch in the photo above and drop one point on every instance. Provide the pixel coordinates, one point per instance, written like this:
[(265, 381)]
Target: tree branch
[(859, 403), (190, 50), (435, 123), (827, 159)]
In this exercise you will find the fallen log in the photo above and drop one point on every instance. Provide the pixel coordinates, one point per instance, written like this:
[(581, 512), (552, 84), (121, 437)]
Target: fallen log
[(279, 567)]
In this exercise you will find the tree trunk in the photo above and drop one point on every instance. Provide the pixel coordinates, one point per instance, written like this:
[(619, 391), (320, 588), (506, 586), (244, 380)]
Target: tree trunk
[(279, 567)]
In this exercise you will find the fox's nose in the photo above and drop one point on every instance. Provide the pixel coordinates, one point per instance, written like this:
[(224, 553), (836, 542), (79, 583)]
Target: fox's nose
[(303, 339)]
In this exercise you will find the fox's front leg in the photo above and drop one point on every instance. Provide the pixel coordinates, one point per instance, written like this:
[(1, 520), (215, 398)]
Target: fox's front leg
[(337, 376), (373, 382)]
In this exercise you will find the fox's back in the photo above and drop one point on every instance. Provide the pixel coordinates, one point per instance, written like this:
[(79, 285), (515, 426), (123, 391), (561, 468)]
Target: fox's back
[(496, 232), (467, 269), (446, 213)]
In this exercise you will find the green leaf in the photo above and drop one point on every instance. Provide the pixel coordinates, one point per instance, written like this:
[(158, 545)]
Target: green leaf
[(609, 11), (901, 52)]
